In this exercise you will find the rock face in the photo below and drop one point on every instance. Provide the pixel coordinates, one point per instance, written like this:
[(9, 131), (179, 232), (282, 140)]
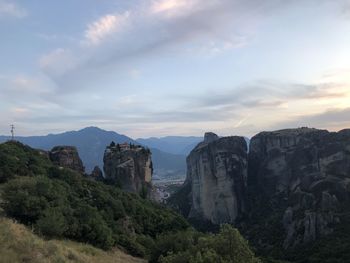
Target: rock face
[(307, 171), (68, 157), (97, 174), (293, 182), (210, 137), (129, 166), (216, 177)]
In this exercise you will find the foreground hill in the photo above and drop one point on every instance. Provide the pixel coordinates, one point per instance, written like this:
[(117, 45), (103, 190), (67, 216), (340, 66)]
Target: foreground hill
[(19, 244)]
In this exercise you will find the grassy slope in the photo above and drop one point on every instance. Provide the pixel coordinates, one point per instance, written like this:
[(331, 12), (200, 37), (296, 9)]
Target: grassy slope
[(19, 244)]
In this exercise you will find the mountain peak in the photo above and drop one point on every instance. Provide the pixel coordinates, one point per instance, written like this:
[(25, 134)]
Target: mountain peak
[(91, 128)]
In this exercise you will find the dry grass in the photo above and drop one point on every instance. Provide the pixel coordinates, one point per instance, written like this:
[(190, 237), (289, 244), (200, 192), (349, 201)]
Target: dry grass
[(19, 244)]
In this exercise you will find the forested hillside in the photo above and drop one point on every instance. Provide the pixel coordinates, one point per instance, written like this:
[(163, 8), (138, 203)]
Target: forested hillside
[(62, 204)]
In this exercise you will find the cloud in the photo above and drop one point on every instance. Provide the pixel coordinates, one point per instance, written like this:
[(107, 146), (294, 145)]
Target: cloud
[(168, 5), (57, 62), (21, 90), (346, 8), (105, 27), (67, 117), (190, 27), (269, 94), (173, 8), (239, 105), (256, 103), (116, 38), (183, 116), (22, 83), (23, 97), (333, 119), (255, 109), (317, 91), (11, 9)]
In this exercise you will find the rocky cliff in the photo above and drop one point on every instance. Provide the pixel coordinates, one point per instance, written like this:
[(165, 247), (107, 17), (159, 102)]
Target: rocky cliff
[(129, 166), (306, 172), (290, 189), (216, 174), (68, 157)]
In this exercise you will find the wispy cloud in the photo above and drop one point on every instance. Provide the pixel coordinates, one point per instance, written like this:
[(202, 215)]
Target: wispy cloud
[(57, 62), (346, 8), (269, 94), (22, 90), (104, 27), (171, 6), (11, 9), (213, 26), (333, 119), (156, 26)]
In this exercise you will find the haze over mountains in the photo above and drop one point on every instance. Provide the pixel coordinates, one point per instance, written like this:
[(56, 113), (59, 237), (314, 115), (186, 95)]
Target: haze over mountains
[(168, 153), (172, 144)]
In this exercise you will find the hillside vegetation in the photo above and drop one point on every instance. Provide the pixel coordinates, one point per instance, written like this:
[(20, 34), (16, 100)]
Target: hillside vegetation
[(19, 244), (61, 204)]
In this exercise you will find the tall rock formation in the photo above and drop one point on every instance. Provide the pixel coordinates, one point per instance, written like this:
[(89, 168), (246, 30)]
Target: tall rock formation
[(67, 157), (216, 178), (305, 173), (97, 174), (292, 188), (129, 166)]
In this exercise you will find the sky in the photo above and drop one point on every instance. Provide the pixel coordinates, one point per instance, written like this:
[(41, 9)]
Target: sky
[(174, 67)]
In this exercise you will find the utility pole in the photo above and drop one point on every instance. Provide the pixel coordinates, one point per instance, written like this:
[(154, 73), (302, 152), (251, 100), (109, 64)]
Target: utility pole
[(12, 132)]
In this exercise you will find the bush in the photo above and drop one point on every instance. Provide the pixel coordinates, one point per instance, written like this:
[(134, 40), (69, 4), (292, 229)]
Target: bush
[(52, 223), (68, 205), (194, 247)]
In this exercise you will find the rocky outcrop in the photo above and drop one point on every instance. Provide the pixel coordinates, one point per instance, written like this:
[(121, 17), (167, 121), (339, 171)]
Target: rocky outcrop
[(67, 157), (216, 178), (305, 171), (128, 166), (210, 137), (97, 174)]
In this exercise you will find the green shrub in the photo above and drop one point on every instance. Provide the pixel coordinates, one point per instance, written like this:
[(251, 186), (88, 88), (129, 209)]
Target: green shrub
[(191, 246), (18, 159), (52, 223)]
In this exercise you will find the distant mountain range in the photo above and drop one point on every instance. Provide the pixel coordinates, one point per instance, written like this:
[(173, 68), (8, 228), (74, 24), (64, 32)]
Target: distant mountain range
[(172, 144), (168, 153), (182, 145)]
